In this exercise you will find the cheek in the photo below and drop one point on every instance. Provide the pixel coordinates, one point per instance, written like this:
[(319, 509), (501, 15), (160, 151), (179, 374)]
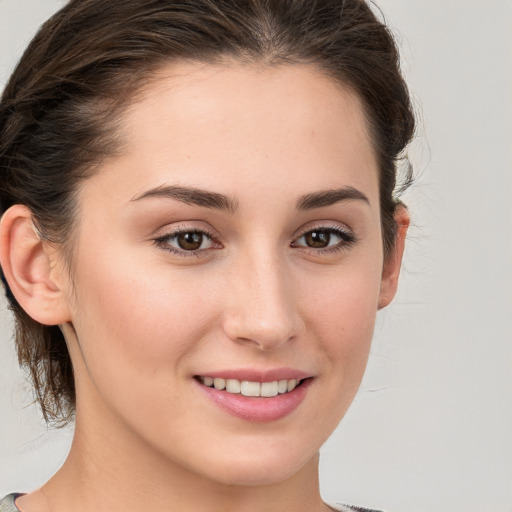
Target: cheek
[(137, 332), (346, 303), (343, 315), (138, 317)]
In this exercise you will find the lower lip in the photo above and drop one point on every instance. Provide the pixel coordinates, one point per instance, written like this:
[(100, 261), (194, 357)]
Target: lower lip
[(258, 409)]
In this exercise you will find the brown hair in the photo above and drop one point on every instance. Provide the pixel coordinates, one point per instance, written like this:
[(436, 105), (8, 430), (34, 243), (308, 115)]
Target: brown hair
[(59, 108)]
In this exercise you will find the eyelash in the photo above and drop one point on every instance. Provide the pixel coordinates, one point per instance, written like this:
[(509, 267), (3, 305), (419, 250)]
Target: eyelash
[(347, 239)]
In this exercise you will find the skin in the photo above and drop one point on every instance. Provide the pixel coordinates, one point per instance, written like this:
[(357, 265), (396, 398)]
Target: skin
[(142, 321)]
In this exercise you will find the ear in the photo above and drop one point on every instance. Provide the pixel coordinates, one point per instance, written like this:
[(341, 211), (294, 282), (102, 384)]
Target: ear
[(28, 266), (393, 263)]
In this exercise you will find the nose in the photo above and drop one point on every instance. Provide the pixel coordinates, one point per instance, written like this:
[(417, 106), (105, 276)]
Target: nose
[(262, 309)]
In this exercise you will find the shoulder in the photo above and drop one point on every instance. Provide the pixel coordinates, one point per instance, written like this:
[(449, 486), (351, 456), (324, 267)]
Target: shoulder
[(7, 503)]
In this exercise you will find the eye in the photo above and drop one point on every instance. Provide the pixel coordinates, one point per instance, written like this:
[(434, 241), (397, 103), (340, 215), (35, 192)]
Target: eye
[(327, 238), (190, 241), (186, 241)]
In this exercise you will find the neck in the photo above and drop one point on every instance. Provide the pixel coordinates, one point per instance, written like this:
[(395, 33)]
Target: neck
[(106, 472)]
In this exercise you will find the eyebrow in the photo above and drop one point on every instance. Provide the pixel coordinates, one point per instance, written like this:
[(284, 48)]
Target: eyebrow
[(214, 200), (191, 195), (330, 197)]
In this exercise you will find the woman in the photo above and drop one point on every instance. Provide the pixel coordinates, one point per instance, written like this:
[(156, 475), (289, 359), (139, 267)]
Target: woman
[(198, 228)]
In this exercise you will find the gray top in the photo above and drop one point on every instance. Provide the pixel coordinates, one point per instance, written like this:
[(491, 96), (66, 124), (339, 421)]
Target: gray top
[(7, 505)]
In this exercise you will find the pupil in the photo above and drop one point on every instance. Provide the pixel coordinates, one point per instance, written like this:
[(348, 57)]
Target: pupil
[(190, 241), (318, 239)]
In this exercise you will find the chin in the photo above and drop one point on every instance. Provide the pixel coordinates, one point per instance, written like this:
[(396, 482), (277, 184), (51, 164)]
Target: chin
[(257, 476), (268, 467)]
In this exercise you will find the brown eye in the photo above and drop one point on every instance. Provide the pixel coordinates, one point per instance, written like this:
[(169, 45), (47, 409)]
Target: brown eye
[(317, 239), (190, 241), (326, 238), (182, 242)]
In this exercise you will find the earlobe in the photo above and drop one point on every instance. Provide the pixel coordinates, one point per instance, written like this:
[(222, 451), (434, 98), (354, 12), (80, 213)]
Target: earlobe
[(393, 263), (27, 267)]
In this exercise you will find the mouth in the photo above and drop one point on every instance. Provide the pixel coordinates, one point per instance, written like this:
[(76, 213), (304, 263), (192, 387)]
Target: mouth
[(251, 388), (256, 396)]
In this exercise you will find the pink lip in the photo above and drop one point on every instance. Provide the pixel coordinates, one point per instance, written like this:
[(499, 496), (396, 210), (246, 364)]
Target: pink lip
[(258, 409)]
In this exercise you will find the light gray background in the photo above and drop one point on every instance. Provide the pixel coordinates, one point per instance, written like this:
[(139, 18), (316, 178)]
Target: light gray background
[(431, 429)]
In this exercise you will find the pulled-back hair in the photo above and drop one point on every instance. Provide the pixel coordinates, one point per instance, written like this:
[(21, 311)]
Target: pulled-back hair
[(59, 110)]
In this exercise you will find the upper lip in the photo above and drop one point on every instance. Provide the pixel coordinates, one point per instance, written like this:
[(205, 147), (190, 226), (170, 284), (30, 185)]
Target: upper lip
[(254, 375)]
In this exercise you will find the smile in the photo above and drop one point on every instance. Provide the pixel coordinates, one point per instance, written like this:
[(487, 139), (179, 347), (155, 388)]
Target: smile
[(251, 388), (256, 395)]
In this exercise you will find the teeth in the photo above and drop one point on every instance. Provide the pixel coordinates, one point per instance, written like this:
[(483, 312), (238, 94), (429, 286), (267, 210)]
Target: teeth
[(292, 384), (282, 386), (269, 388), (232, 386), (248, 388), (219, 383)]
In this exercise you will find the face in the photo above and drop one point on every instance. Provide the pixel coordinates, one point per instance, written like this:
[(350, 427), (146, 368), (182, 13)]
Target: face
[(236, 242)]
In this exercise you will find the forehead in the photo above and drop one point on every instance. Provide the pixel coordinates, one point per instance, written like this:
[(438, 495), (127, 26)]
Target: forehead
[(251, 125)]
